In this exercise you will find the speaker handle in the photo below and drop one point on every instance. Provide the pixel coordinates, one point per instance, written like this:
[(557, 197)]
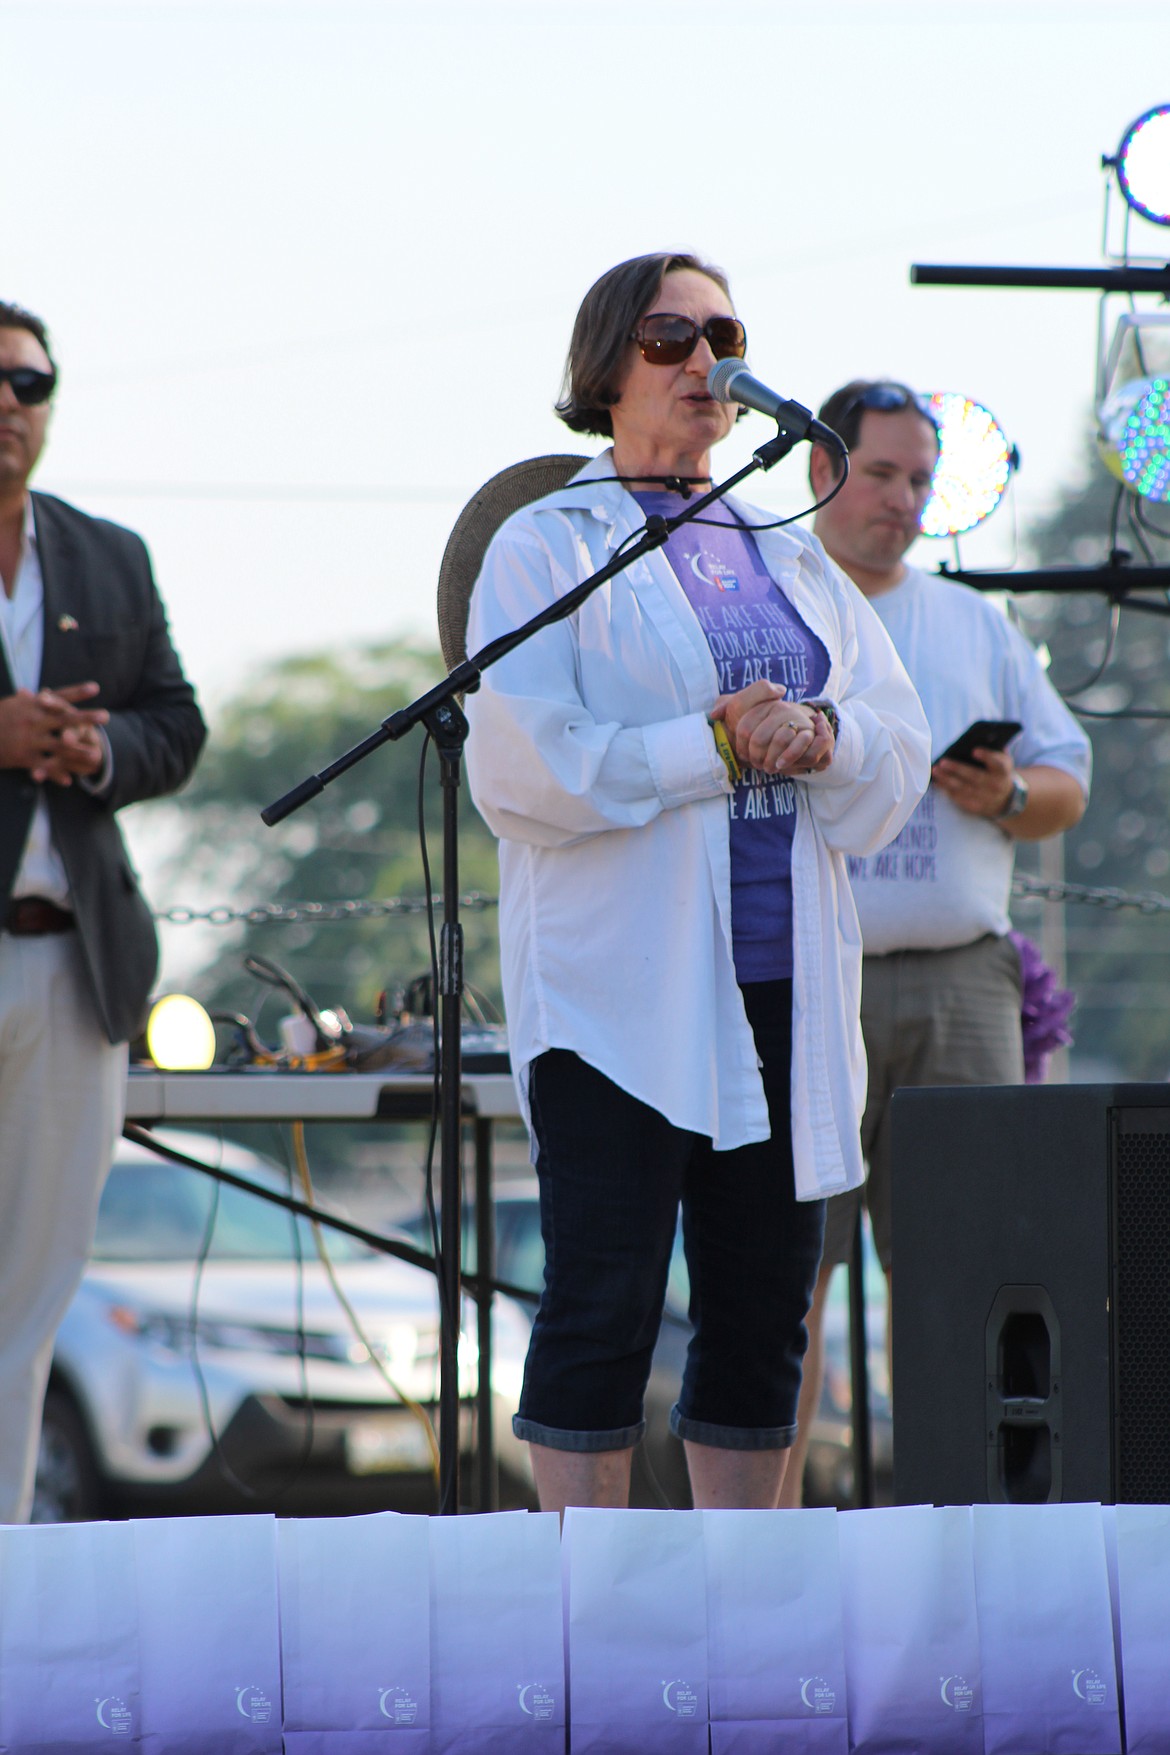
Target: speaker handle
[(1025, 1457)]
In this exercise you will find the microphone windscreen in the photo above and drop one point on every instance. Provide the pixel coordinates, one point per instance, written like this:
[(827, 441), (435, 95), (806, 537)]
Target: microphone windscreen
[(720, 378)]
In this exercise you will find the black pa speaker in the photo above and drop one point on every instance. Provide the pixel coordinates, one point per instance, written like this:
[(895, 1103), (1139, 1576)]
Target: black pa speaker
[(1031, 1294)]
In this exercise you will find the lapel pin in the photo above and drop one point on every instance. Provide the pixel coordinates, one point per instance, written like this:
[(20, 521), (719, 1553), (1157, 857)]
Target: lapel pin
[(67, 624)]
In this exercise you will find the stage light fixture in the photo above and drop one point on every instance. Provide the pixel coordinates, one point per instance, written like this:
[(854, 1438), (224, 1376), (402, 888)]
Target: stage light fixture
[(180, 1037), (1142, 163), (975, 464), (1134, 436)]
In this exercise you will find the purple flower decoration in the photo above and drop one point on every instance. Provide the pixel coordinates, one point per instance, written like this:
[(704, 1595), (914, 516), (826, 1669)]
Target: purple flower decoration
[(1044, 1009)]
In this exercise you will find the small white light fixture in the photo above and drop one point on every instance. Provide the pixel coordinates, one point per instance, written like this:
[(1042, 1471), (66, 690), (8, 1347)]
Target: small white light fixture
[(975, 464), (180, 1037), (1142, 163)]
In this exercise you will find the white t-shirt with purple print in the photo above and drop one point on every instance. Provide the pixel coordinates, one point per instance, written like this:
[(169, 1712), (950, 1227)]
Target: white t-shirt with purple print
[(753, 632)]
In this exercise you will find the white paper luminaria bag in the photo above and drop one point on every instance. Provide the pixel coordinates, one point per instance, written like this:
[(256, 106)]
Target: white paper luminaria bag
[(497, 1635), (775, 1639), (912, 1654), (355, 1634), (209, 1635), (1046, 1630), (637, 1628), (1143, 1613), (69, 1662)]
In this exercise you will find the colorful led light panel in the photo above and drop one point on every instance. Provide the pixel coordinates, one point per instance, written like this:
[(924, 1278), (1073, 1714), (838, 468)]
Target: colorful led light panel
[(1143, 165), (974, 464), (1145, 442)]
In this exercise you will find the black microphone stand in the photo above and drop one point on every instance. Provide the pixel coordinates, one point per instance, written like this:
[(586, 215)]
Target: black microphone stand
[(443, 718)]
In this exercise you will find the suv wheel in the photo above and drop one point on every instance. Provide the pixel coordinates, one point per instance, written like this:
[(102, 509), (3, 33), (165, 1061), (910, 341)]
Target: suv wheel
[(68, 1488)]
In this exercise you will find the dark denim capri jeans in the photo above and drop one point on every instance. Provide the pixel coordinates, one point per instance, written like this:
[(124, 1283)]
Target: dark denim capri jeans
[(612, 1175)]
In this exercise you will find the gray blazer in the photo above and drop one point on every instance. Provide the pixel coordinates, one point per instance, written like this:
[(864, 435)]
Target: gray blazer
[(105, 623)]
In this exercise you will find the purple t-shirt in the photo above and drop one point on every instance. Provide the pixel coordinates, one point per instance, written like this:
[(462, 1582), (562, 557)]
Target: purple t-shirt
[(753, 631)]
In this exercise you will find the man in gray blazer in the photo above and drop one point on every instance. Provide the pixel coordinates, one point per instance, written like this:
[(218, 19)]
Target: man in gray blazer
[(95, 713)]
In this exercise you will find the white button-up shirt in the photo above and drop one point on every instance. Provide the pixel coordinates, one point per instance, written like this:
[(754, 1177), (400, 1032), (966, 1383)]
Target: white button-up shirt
[(22, 630), (592, 759)]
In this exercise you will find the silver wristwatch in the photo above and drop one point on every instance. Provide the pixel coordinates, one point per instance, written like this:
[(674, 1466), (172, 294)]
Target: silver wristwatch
[(1017, 801)]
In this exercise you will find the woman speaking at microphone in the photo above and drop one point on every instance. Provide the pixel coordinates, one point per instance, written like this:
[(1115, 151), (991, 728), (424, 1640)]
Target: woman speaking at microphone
[(676, 775)]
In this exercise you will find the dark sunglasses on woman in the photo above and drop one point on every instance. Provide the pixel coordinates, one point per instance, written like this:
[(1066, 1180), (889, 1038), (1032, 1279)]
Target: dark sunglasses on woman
[(28, 385), (667, 339)]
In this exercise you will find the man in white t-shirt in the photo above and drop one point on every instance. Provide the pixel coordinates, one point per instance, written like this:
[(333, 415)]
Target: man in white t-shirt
[(941, 979)]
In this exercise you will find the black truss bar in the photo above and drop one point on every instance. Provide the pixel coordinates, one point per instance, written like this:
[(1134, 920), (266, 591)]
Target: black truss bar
[(1127, 279)]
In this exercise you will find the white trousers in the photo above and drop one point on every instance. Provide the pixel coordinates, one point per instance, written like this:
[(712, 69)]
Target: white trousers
[(62, 1100)]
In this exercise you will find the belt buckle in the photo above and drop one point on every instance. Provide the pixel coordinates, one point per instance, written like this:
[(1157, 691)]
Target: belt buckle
[(36, 916)]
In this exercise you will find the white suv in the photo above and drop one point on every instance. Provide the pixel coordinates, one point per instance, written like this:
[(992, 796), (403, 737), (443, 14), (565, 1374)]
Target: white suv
[(207, 1363)]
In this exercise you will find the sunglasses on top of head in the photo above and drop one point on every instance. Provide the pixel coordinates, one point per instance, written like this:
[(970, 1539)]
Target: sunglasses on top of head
[(667, 340), (888, 398), (28, 385)]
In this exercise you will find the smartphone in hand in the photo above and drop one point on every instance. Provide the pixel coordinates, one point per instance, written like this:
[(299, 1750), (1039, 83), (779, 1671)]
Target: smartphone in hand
[(985, 734)]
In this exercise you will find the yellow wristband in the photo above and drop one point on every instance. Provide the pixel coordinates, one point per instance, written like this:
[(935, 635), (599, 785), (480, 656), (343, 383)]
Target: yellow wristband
[(726, 752)]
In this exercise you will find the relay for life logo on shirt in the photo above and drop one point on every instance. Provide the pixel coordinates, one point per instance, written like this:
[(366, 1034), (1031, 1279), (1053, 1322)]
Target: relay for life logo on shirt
[(717, 574)]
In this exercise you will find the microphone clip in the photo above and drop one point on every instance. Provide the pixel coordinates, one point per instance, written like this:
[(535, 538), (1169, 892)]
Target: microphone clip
[(775, 448)]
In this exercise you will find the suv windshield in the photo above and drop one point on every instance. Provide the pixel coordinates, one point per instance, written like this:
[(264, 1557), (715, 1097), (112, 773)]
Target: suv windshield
[(160, 1212)]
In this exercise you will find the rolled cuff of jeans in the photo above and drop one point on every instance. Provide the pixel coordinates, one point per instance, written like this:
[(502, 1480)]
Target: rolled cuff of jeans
[(731, 1437), (586, 1443)]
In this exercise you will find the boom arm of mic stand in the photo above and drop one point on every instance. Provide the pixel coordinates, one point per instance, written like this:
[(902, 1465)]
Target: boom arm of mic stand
[(440, 712), (465, 678)]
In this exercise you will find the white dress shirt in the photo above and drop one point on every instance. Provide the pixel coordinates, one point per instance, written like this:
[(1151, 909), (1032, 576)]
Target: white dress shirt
[(22, 629), (592, 760)]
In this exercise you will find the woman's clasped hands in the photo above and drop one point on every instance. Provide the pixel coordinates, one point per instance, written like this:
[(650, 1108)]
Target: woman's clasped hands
[(774, 734)]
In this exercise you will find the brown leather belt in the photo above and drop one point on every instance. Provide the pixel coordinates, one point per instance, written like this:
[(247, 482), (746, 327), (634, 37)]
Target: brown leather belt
[(31, 916)]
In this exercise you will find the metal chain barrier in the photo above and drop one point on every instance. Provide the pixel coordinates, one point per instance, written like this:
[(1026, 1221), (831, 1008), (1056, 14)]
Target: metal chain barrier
[(1146, 902), (314, 913)]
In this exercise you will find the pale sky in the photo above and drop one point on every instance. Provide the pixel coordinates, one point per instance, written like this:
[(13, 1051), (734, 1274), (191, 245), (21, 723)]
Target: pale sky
[(310, 268)]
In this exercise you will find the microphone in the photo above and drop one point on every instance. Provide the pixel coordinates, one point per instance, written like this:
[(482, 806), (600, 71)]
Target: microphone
[(730, 381)]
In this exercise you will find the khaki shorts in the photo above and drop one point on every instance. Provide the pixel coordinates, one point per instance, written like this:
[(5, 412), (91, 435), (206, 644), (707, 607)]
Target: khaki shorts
[(928, 1018)]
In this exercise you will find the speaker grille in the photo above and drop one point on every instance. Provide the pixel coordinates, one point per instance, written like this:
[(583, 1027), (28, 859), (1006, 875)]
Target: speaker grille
[(1142, 1313)]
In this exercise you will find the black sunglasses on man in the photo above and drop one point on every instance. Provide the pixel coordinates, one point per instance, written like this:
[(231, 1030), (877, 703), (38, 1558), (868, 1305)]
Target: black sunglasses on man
[(28, 385)]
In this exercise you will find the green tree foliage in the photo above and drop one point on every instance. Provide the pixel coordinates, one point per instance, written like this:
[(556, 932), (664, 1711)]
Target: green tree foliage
[(358, 840), (1118, 962)]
